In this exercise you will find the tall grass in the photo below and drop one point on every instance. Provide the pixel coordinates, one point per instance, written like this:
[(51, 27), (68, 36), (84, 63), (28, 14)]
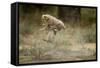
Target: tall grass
[(76, 42), (34, 48)]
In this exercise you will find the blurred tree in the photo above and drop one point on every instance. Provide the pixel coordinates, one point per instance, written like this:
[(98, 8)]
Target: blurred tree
[(69, 14), (88, 16)]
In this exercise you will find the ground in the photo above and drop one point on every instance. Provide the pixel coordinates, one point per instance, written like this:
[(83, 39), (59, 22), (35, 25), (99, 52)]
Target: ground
[(68, 45)]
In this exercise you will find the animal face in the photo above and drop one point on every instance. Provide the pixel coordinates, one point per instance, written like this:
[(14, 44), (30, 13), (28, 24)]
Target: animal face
[(45, 18)]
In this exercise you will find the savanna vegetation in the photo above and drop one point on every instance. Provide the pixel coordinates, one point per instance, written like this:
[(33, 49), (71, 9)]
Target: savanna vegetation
[(76, 42)]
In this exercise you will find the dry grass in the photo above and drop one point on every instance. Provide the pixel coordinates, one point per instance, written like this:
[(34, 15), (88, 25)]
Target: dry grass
[(76, 42), (69, 45)]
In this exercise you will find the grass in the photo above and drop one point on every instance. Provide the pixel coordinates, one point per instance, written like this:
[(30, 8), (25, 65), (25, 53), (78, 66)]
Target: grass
[(70, 44), (76, 42)]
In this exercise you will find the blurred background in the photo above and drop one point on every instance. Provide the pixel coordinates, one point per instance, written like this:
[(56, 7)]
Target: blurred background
[(76, 42)]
